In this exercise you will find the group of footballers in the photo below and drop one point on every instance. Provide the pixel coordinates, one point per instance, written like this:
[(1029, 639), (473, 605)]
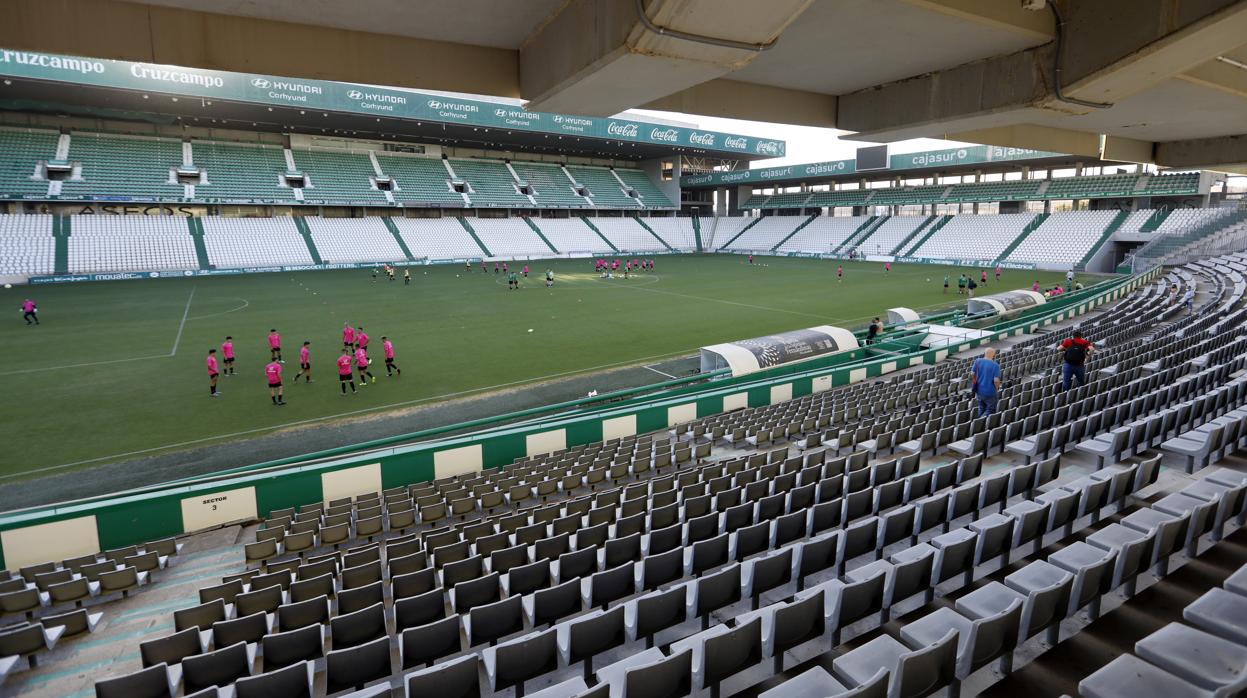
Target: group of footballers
[(390, 272), (609, 267), (354, 358)]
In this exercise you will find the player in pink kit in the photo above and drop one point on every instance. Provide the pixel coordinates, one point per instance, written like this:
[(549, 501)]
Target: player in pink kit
[(213, 373), (273, 373), (344, 371), (1035, 286), (887, 267), (387, 348), (305, 362), (30, 312), (361, 338), (361, 364), (348, 336), (227, 353), (274, 346)]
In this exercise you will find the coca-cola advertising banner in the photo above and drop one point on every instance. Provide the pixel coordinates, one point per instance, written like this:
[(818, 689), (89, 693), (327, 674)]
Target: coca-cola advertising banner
[(272, 90)]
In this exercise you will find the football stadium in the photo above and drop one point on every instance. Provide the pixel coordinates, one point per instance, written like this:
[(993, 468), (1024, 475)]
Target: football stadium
[(623, 348)]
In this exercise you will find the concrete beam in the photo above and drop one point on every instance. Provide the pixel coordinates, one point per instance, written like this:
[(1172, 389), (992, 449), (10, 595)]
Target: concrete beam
[(1056, 140), (731, 99), (129, 31), (1228, 153), (596, 57), (1106, 58), (1218, 75), (996, 15)]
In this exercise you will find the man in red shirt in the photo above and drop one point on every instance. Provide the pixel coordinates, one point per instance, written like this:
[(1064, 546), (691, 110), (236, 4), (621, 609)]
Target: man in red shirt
[(1075, 351)]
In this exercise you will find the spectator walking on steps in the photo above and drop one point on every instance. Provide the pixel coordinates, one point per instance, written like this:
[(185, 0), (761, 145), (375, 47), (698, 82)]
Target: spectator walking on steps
[(1188, 301), (873, 331), (985, 379), (1074, 351)]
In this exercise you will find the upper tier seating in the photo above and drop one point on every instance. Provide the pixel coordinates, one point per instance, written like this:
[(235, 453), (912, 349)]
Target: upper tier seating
[(1091, 187), (651, 195), (974, 237), (605, 190), (551, 187), (21, 151), (1176, 183), (850, 197), (338, 176), (130, 243), (26, 245), (491, 182), (123, 166), (240, 172), (1013, 190), (353, 240), (247, 242), (420, 180)]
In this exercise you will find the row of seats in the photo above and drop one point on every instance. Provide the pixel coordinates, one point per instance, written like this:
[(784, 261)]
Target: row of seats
[(1089, 187)]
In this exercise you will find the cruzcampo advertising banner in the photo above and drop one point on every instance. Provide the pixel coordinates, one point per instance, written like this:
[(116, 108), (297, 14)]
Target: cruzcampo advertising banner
[(794, 174), (271, 90)]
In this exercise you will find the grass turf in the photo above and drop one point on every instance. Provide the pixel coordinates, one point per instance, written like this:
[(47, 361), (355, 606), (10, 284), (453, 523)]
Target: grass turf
[(117, 368)]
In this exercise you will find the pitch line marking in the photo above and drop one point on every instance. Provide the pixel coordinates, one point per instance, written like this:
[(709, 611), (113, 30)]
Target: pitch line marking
[(245, 304), (661, 373), (313, 420), (182, 325), (92, 363)]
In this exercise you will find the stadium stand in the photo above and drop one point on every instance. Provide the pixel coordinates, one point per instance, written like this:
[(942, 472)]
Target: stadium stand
[(338, 176), (27, 247), (604, 189), (990, 234), (1174, 183), (853, 197), (651, 195), (823, 234), (1092, 187), (551, 186), (22, 155), (353, 240), (420, 180), (510, 236), (677, 231), (107, 165), (1063, 239), (244, 242), (627, 235), (237, 172), (570, 235), (491, 183), (766, 233), (922, 542), (130, 243), (1016, 190), (891, 233), (437, 238)]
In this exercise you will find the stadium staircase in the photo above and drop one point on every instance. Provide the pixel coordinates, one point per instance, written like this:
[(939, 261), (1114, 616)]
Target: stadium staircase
[(307, 239), (931, 230), (742, 232), (796, 230), (468, 227), (196, 227), (1111, 228), (61, 232), (697, 232), (402, 245), (657, 237), (863, 232), (1026, 231), (1155, 220), (916, 232), (540, 234), (594, 228)]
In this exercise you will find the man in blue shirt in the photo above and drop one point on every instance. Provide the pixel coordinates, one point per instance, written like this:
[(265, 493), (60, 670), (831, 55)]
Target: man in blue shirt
[(986, 380)]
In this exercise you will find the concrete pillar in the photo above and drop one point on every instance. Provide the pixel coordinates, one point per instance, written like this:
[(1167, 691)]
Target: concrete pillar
[(1047, 206), (976, 207)]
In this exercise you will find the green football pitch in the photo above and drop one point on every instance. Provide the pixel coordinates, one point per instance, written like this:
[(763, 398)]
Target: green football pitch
[(117, 368)]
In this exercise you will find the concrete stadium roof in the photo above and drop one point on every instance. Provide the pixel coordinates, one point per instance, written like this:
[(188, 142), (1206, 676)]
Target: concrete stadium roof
[(1157, 81)]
